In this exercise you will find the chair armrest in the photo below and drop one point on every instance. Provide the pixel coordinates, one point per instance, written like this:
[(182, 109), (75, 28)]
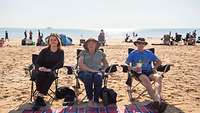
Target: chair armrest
[(164, 68), (124, 68), (29, 68), (112, 68), (69, 69)]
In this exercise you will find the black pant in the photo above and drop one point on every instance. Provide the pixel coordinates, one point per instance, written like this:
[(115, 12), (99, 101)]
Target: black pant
[(44, 81)]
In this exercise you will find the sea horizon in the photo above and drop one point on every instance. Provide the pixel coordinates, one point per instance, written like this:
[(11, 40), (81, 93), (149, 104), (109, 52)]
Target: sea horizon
[(15, 32)]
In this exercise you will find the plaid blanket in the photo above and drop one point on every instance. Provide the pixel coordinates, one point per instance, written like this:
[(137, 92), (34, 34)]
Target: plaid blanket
[(133, 108)]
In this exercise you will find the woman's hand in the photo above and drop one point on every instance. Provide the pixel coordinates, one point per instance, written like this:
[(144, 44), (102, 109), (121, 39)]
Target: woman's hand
[(100, 72)]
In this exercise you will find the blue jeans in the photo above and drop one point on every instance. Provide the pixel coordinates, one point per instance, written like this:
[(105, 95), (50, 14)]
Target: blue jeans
[(93, 84)]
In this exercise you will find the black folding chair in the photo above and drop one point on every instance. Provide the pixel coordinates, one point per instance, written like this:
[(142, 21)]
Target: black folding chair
[(30, 71), (82, 41), (162, 69), (75, 70)]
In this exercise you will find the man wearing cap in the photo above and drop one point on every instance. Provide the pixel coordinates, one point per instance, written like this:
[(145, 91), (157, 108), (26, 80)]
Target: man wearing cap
[(91, 62), (140, 61)]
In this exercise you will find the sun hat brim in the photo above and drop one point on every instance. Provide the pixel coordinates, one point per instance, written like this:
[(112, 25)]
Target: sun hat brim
[(93, 40)]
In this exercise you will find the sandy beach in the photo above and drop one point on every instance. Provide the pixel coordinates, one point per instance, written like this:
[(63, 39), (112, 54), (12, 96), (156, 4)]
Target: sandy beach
[(180, 85)]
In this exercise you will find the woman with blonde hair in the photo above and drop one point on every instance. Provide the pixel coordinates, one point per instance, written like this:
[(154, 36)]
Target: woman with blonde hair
[(49, 59)]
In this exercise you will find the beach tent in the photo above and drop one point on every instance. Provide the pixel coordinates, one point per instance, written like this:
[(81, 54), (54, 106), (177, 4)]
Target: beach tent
[(65, 40)]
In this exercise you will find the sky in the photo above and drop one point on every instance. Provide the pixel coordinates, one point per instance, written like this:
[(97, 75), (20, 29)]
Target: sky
[(95, 14)]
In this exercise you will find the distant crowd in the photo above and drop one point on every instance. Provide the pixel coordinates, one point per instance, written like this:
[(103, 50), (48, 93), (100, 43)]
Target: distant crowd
[(189, 39), (128, 38), (29, 41)]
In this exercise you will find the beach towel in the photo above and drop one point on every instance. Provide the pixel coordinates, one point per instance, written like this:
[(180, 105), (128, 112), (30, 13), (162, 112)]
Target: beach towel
[(133, 108)]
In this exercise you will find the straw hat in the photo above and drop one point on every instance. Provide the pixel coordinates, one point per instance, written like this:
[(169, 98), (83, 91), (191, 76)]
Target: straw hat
[(140, 40), (93, 40)]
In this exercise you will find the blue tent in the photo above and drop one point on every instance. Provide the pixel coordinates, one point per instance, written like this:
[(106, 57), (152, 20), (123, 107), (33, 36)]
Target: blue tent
[(65, 40)]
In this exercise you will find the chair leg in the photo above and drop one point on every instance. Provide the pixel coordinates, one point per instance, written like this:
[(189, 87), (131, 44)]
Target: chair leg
[(131, 99), (135, 86), (144, 91), (78, 93), (32, 93), (56, 84), (52, 98)]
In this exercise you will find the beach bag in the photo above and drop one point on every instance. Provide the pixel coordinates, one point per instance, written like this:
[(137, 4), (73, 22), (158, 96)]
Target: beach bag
[(24, 42), (109, 96), (65, 93)]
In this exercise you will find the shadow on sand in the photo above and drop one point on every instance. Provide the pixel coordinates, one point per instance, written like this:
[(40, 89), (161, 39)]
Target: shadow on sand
[(170, 108)]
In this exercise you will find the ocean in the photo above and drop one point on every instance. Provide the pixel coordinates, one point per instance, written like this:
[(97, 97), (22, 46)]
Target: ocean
[(84, 33)]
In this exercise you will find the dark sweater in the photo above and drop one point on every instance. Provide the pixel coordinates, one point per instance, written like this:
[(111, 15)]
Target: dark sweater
[(50, 60)]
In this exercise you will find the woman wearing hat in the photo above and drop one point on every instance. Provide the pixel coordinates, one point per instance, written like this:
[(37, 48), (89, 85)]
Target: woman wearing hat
[(49, 59), (140, 61), (91, 62)]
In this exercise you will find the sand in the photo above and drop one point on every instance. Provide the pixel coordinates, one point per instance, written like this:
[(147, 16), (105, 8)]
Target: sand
[(180, 85)]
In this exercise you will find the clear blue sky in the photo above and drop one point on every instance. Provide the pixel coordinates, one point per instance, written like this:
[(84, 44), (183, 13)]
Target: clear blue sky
[(94, 14)]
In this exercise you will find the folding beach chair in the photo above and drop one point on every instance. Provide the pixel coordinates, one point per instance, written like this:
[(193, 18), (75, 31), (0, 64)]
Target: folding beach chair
[(2, 42), (162, 69), (178, 38), (30, 70), (75, 70)]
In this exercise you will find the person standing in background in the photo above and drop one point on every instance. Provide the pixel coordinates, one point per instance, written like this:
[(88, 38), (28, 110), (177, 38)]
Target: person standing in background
[(25, 34), (101, 38), (194, 34), (30, 35), (6, 35), (39, 35)]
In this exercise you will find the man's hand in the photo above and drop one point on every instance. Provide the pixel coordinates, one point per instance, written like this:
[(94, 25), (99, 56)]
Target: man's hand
[(138, 69), (44, 69)]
